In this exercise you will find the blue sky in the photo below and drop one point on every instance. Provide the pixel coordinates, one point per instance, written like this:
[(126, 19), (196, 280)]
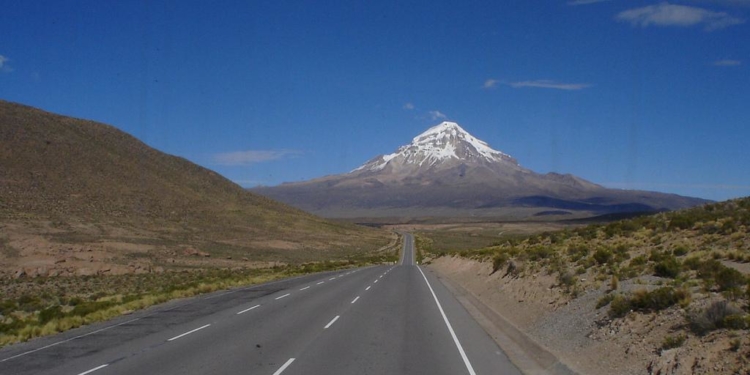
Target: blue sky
[(630, 94)]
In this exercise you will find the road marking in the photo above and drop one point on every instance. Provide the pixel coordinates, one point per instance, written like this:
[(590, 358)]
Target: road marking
[(187, 333), (282, 368), (331, 322), (375, 281), (320, 282), (450, 328), (70, 339), (307, 287), (93, 369), (355, 300), (246, 310), (333, 278), (285, 295), (368, 287)]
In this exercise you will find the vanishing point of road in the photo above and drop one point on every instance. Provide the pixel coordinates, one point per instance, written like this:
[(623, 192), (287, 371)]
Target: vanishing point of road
[(388, 319)]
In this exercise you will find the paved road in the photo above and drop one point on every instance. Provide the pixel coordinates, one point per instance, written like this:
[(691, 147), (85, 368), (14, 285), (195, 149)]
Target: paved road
[(396, 319)]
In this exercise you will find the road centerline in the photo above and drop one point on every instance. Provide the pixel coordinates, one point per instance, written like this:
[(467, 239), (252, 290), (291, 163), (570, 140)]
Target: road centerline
[(246, 310), (332, 321), (284, 366), (94, 369), (189, 332), (284, 296), (355, 300)]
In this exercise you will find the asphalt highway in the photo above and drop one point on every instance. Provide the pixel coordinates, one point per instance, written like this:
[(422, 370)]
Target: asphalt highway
[(388, 319)]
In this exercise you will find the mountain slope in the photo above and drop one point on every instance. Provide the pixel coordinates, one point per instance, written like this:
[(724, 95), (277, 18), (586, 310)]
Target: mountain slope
[(446, 172), (79, 181)]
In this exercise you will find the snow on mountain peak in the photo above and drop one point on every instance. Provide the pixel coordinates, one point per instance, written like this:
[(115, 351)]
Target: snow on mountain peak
[(441, 142)]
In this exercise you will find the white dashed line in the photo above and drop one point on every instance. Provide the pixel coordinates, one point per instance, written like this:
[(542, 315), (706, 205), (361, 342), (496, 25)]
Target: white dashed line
[(320, 283), (355, 300), (246, 310), (93, 369), (368, 287), (187, 333), (307, 287), (285, 295), (282, 368), (375, 281), (333, 278), (331, 322)]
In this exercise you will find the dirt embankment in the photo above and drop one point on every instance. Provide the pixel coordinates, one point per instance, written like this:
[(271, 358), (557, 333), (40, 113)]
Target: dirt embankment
[(583, 337)]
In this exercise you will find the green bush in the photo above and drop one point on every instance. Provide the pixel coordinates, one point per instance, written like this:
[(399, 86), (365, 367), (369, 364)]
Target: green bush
[(603, 256), (671, 342), (605, 300), (669, 267), (729, 278), (50, 313), (499, 261), (642, 300)]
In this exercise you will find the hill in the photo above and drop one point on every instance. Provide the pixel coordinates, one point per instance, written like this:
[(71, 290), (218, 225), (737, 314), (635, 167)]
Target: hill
[(665, 293), (446, 172), (79, 194)]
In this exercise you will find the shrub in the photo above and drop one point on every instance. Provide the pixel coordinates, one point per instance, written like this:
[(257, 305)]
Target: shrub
[(499, 261), (713, 317), (671, 342), (729, 278), (50, 313), (603, 256), (669, 267), (680, 251), (642, 300), (605, 300)]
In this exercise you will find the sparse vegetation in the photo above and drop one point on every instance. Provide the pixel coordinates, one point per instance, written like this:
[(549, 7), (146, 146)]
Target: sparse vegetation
[(671, 342)]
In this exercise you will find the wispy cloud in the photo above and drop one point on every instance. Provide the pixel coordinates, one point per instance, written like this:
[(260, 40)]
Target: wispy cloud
[(4, 67), (252, 156), (547, 84), (408, 106), (437, 115), (677, 15), (727, 63), (585, 2), (490, 83)]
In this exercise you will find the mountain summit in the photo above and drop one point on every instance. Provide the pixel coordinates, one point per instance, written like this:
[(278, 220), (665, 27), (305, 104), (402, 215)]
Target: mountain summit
[(447, 172), (444, 143)]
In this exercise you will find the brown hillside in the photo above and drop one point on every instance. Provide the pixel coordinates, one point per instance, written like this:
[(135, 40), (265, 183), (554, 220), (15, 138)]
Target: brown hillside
[(66, 181)]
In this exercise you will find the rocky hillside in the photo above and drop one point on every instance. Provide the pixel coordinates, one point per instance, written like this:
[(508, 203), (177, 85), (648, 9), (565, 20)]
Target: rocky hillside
[(661, 294), (69, 186)]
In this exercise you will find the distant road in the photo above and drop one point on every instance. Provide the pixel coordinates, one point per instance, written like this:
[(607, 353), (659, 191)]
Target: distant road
[(396, 319)]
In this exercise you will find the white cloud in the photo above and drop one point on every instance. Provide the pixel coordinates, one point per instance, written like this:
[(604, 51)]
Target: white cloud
[(408, 106), (3, 66), (437, 115), (252, 156), (490, 83), (727, 63), (547, 84), (678, 15), (585, 2)]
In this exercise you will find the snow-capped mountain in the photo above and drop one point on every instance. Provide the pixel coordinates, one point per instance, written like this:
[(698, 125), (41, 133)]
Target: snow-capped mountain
[(444, 143), (446, 171)]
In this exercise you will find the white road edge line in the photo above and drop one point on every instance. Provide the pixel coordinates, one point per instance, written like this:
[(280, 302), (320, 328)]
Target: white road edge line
[(450, 328), (285, 295), (283, 367), (188, 332), (246, 310), (331, 322), (93, 369), (355, 300), (68, 340), (307, 287)]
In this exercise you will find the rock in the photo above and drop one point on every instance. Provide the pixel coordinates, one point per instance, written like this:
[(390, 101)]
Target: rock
[(61, 260), (19, 274)]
